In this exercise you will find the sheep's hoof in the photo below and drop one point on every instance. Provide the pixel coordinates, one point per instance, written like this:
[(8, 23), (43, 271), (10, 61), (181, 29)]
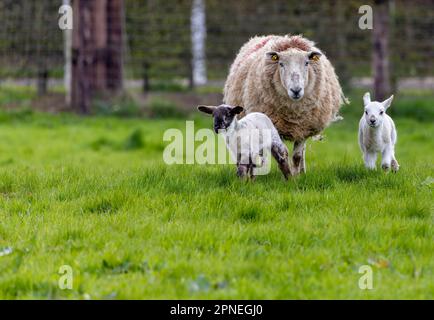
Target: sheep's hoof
[(385, 166), (241, 172), (245, 178), (395, 166)]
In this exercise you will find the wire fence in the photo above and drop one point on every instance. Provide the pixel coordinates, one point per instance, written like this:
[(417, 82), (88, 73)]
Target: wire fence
[(158, 37)]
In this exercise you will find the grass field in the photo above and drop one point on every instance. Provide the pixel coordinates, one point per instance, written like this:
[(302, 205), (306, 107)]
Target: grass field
[(94, 193)]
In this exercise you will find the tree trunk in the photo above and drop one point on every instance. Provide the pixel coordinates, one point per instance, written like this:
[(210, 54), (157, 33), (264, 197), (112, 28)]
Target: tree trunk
[(115, 45), (146, 82), (83, 55), (97, 50), (42, 81), (42, 71), (67, 51), (100, 30), (198, 41), (380, 61), (341, 32)]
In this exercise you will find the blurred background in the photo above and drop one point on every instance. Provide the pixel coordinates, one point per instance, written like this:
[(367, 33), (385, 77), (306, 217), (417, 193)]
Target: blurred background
[(161, 58)]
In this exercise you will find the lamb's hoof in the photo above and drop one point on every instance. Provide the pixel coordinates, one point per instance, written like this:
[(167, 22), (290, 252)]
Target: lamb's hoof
[(244, 179), (385, 166), (242, 172), (395, 166)]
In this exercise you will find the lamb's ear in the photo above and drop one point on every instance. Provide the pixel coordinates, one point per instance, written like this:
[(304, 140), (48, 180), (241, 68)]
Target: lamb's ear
[(386, 103), (314, 55), (366, 98), (206, 109), (237, 110), (273, 56)]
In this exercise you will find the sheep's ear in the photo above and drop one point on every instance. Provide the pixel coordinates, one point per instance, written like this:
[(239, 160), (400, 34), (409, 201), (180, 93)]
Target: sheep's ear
[(273, 56), (386, 103), (237, 110), (314, 55), (206, 109), (366, 98)]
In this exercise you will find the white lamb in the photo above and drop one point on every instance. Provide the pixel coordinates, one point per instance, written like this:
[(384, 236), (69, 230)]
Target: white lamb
[(249, 139), (377, 133)]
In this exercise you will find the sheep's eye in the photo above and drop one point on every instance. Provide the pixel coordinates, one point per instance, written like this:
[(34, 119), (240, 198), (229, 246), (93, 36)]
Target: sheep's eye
[(281, 64), (306, 63), (381, 112), (366, 112)]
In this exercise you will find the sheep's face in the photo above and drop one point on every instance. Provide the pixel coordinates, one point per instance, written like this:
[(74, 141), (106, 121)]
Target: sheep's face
[(293, 66), (375, 111), (223, 115)]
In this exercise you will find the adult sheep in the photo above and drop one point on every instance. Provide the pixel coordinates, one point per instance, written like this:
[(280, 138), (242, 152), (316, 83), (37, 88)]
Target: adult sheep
[(291, 81)]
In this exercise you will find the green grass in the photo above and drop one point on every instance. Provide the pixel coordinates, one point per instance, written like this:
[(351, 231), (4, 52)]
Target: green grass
[(94, 193)]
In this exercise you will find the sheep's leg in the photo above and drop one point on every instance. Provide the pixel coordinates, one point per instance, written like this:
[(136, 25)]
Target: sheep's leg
[(280, 153), (251, 172), (242, 170), (298, 157), (395, 165), (393, 162), (389, 160), (303, 159), (370, 160), (386, 158), (256, 160)]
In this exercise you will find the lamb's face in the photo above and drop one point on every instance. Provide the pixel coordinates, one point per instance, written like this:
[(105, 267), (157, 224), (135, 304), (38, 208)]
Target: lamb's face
[(374, 114), (375, 111), (293, 70), (223, 115)]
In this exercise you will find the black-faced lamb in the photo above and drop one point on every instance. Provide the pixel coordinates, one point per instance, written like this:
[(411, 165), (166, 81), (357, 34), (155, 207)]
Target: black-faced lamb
[(249, 140)]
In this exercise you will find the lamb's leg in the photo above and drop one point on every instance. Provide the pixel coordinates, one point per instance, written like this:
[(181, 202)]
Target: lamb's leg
[(386, 158), (394, 163), (251, 172), (280, 153), (242, 170), (298, 157), (256, 161), (260, 165), (370, 159)]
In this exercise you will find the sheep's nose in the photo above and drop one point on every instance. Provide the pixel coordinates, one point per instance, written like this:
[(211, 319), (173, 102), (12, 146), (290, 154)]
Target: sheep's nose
[(296, 91), (219, 127), (372, 121)]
